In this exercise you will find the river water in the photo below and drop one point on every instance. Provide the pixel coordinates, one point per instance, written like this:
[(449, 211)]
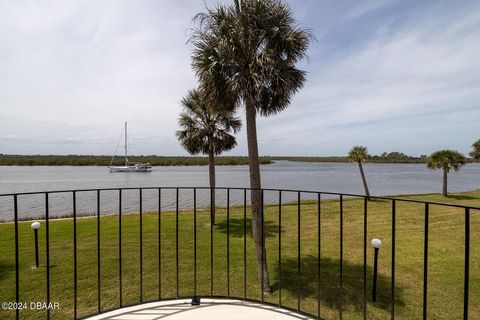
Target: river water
[(383, 179)]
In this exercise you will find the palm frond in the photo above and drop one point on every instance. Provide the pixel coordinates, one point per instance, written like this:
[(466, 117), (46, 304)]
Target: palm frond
[(249, 49), (358, 154), (205, 129), (446, 160), (475, 153)]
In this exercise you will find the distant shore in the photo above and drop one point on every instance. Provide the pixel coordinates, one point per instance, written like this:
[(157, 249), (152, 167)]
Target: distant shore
[(374, 159), (93, 160)]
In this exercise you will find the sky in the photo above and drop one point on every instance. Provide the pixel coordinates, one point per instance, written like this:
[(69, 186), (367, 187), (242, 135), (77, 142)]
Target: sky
[(392, 75)]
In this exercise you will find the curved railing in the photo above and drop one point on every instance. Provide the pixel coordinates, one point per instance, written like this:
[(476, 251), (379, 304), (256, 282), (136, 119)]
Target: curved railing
[(125, 246)]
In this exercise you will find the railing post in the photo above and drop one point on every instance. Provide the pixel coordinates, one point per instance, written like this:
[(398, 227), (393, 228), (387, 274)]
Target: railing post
[(99, 308), (244, 244), (211, 241), (263, 251), (194, 242), (47, 243), (120, 247), (74, 255), (467, 263), (392, 308), (280, 248), (176, 244), (228, 243), (298, 251), (340, 304), (141, 243), (365, 220), (17, 264), (425, 263), (319, 252), (159, 244)]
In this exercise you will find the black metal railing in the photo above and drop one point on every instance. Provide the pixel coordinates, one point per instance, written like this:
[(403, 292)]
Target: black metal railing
[(295, 197)]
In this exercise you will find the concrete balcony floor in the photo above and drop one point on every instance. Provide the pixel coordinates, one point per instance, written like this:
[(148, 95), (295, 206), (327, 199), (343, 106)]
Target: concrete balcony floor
[(218, 309)]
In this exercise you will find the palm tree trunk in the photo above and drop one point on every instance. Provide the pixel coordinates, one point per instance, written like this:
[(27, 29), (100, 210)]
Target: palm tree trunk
[(211, 172), (367, 193), (256, 195), (445, 182)]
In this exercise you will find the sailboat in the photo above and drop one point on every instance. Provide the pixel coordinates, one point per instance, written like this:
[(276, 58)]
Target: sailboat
[(136, 167)]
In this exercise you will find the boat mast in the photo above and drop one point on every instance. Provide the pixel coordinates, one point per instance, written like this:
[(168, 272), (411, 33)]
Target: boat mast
[(126, 159)]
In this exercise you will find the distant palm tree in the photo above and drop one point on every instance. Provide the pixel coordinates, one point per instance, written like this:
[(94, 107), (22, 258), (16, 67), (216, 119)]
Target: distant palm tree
[(360, 154), (245, 54), (208, 131), (475, 154), (446, 160)]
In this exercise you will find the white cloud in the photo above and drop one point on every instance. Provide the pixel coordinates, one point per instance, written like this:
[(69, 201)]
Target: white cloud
[(72, 72), (82, 68), (428, 66)]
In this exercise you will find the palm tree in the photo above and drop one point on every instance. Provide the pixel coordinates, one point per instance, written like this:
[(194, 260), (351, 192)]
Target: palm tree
[(446, 160), (208, 131), (245, 54), (360, 154), (475, 154)]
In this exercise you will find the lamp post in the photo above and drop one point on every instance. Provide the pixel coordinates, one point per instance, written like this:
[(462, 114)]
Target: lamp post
[(376, 244), (35, 226)]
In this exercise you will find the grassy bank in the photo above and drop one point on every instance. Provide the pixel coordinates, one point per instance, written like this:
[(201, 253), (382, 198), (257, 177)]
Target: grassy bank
[(90, 160), (446, 248)]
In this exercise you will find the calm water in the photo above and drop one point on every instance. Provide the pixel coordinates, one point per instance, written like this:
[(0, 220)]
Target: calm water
[(383, 179)]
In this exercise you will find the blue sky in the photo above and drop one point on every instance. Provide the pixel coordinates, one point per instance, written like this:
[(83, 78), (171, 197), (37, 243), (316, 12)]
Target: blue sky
[(391, 75)]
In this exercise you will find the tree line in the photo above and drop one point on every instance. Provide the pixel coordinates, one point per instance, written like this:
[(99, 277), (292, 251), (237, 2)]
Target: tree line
[(93, 160), (386, 157)]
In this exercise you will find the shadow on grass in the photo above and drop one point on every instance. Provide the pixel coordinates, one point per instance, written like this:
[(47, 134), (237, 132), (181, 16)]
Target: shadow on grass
[(462, 197), (329, 280), (6, 268), (377, 200), (236, 227)]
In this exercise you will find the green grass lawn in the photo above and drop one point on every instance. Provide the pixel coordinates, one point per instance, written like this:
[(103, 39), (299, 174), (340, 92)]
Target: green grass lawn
[(446, 259)]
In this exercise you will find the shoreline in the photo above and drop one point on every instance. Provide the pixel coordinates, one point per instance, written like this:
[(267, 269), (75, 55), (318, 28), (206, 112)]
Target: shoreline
[(103, 160), (173, 161)]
